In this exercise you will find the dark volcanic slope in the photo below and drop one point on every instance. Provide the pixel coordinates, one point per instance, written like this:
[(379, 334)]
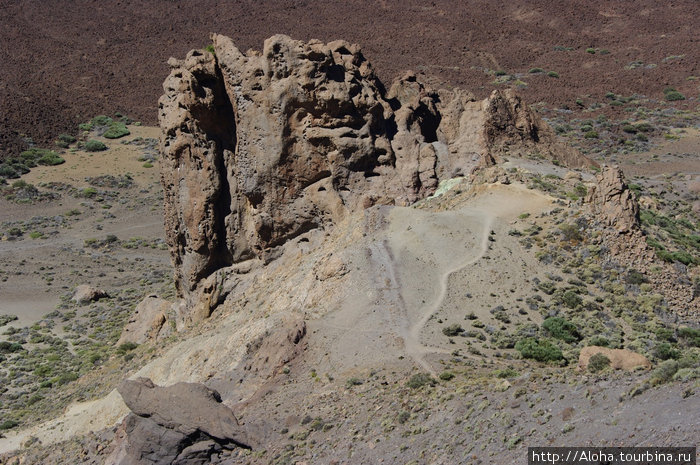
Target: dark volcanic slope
[(64, 61)]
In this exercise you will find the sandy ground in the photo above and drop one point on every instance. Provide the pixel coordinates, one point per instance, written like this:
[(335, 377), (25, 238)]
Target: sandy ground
[(60, 254)]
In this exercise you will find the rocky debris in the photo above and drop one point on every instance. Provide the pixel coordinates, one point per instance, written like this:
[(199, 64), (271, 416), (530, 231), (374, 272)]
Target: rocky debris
[(185, 423), (620, 359), (85, 293), (331, 267), (147, 321), (259, 148), (613, 202)]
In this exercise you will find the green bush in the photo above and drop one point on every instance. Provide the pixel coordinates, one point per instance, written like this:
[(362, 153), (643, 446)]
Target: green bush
[(571, 299), (95, 146), (506, 373), (672, 95), (67, 138), (35, 156), (51, 159), (635, 277), (664, 372), (446, 375), (560, 328), (8, 171), (540, 350), (598, 362), (126, 347), (419, 380), (210, 48), (9, 347), (535, 70), (353, 382), (553, 74), (590, 50), (452, 330), (690, 336), (116, 130), (599, 341), (591, 135), (665, 351), (101, 120), (570, 233), (8, 424)]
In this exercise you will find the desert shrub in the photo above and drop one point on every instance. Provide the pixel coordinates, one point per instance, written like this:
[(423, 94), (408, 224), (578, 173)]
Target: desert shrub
[(95, 146), (446, 375), (452, 330), (535, 70), (88, 192), (101, 120), (591, 135), (8, 424), (116, 130), (664, 372), (635, 277), (9, 347), (598, 362), (35, 156), (50, 159), (541, 350), (419, 380), (506, 373), (64, 378), (665, 351), (67, 138), (553, 74), (126, 347), (599, 341), (690, 336), (560, 328), (570, 233), (678, 256), (353, 382), (210, 48), (672, 95), (571, 299), (8, 171), (590, 50)]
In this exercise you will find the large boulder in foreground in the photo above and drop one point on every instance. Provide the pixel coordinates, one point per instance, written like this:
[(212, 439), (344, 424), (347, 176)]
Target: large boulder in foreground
[(261, 147), (185, 423)]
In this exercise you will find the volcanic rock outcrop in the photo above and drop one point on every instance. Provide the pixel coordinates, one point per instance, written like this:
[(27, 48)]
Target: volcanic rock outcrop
[(185, 423), (613, 202), (261, 147)]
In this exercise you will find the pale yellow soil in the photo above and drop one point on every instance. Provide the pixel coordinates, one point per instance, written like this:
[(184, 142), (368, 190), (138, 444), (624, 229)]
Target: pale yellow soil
[(120, 159)]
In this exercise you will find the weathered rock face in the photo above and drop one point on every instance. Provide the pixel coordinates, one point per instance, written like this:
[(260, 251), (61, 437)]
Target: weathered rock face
[(180, 424), (613, 202), (146, 323), (261, 147)]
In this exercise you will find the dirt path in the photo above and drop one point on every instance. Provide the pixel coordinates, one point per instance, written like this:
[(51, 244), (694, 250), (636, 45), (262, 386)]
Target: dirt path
[(414, 348)]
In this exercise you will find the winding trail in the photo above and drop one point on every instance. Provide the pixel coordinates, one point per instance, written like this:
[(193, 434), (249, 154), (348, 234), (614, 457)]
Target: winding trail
[(414, 348)]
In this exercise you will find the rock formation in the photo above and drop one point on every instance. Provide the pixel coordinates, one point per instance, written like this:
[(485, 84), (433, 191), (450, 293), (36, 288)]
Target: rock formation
[(261, 147), (85, 294), (613, 202), (147, 321), (180, 424)]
